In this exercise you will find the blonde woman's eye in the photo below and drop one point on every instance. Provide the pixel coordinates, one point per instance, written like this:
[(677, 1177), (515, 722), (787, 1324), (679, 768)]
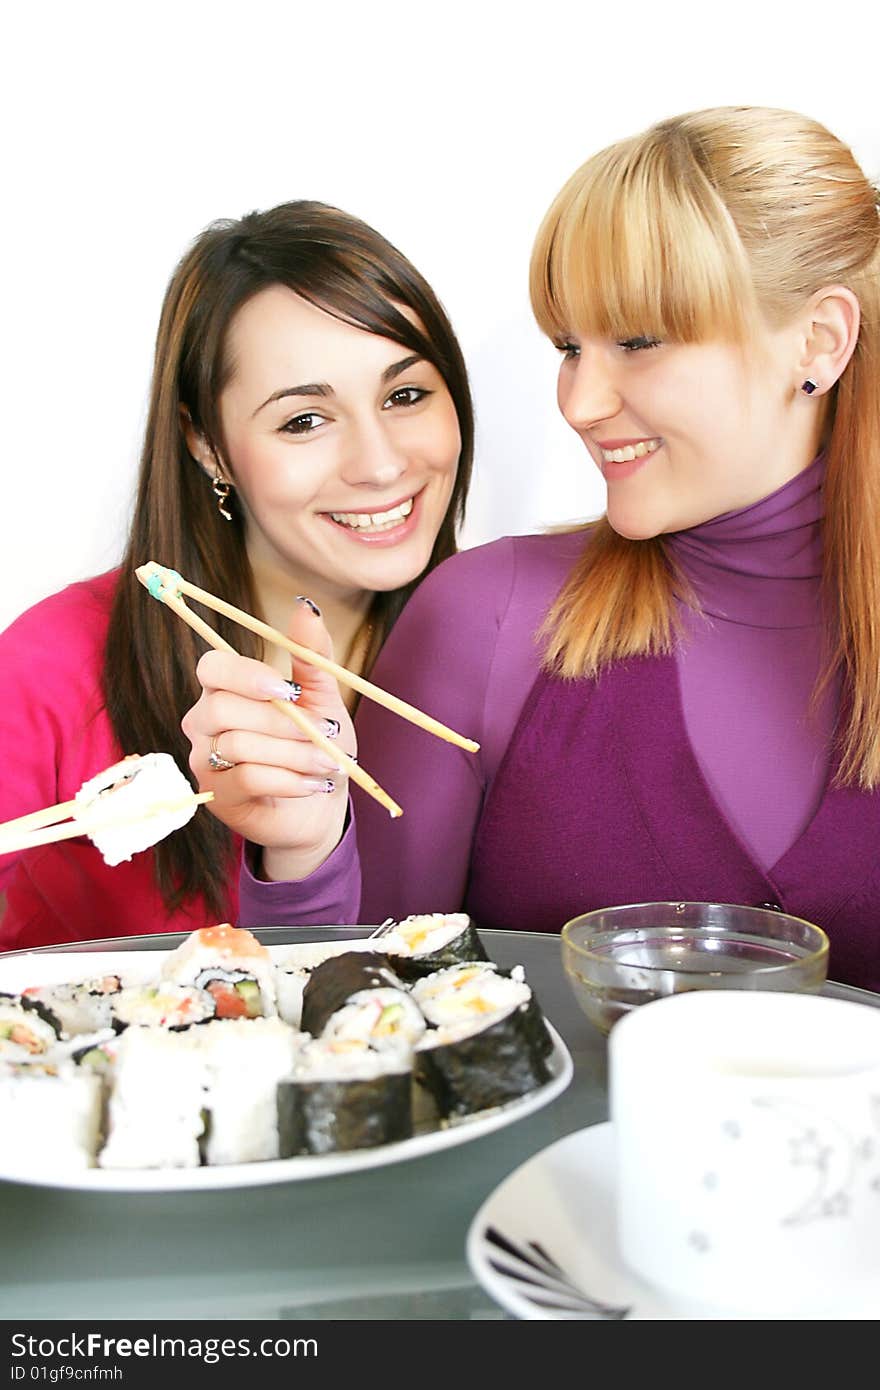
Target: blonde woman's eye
[(406, 395), (303, 424), (569, 350), (638, 344)]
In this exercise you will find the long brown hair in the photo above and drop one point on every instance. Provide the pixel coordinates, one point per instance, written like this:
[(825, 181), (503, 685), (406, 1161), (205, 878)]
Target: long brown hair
[(345, 267), (700, 228)]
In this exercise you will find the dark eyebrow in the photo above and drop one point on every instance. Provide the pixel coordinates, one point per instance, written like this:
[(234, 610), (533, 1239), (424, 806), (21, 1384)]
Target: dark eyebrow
[(311, 388), (398, 368), (322, 388)]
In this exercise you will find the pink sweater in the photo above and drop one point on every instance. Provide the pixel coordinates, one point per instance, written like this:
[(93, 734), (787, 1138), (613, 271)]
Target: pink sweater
[(55, 735)]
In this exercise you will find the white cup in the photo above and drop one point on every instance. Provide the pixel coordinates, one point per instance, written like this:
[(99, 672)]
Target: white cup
[(747, 1135)]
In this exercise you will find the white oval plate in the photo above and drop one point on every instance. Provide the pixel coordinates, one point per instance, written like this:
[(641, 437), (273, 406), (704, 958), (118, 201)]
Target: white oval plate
[(17, 972)]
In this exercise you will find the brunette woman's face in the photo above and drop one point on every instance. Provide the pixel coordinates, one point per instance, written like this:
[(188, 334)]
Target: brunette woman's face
[(685, 432), (342, 445)]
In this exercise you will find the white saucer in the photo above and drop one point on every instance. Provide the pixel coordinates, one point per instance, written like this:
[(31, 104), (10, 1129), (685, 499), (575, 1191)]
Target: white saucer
[(544, 1243)]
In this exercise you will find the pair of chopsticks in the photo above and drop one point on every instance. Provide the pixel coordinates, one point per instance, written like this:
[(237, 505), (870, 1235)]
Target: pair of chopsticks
[(62, 822), (168, 587)]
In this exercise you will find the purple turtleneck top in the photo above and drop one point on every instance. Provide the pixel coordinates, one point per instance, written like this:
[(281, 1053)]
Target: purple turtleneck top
[(465, 650), (750, 659)]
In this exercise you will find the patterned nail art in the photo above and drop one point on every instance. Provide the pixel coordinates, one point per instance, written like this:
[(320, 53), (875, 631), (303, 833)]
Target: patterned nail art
[(330, 728), (296, 690), (301, 598)]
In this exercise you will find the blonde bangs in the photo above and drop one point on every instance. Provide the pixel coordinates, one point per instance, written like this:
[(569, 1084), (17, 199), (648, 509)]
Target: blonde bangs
[(638, 242)]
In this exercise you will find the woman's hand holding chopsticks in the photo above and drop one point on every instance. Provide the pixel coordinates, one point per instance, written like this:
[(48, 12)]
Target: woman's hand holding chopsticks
[(278, 790)]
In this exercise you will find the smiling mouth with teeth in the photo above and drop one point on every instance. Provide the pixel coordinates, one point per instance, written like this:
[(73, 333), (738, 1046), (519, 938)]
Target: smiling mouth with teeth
[(373, 521), (630, 452)]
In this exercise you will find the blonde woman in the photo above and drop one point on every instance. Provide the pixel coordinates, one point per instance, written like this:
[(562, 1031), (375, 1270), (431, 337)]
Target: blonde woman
[(681, 700)]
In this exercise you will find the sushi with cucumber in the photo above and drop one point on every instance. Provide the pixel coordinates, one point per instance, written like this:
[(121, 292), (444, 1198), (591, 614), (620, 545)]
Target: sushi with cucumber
[(336, 981), (27, 1028), (343, 1095), (164, 1005), (232, 965)]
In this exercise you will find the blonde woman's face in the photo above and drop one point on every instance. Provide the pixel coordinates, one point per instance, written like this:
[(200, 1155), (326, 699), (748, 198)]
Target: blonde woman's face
[(343, 447), (685, 432)]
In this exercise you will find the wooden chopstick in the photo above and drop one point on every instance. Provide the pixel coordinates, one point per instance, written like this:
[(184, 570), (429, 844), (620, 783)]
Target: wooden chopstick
[(170, 579), (13, 843), (37, 819), (167, 595)]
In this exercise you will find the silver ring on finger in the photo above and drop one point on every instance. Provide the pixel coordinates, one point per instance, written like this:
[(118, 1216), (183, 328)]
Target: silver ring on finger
[(216, 759)]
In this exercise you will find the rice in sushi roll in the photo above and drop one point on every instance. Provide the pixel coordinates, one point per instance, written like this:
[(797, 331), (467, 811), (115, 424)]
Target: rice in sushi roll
[(50, 1118), (155, 1114), (125, 792), (164, 1005), (231, 964), (343, 1095), (336, 981), (243, 1063), (81, 1007)]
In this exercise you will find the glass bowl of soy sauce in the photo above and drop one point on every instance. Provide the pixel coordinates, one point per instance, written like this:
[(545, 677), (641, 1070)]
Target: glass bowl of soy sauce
[(617, 958)]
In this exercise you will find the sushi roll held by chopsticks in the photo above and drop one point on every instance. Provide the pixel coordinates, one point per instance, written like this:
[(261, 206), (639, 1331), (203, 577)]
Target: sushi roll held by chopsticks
[(125, 809)]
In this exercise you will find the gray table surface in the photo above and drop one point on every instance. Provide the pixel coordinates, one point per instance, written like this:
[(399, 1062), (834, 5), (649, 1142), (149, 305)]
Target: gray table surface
[(382, 1243)]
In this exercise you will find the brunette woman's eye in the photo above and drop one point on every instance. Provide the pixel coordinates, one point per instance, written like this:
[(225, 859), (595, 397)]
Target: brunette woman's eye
[(406, 395), (303, 424), (638, 344)]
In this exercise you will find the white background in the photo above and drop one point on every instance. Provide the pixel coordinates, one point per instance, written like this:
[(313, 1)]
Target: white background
[(449, 126)]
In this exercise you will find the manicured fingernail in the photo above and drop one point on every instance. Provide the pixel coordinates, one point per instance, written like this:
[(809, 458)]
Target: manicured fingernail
[(314, 786), (330, 728), (301, 598), (280, 690)]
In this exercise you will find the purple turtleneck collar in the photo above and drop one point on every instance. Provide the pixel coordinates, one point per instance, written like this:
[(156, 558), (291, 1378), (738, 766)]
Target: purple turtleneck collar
[(761, 565)]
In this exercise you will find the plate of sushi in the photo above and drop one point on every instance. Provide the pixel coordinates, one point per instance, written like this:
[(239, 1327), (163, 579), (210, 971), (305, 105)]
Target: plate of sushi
[(225, 1063)]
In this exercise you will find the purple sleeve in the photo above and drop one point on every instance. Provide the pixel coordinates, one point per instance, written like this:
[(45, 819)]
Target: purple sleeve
[(329, 896), (439, 657)]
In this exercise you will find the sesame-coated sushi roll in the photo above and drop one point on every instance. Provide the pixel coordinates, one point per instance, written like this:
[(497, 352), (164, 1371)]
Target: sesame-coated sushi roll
[(80, 1007), (162, 1006), (421, 945), (336, 981), (244, 1060), (231, 964), (343, 1095), (155, 1115)]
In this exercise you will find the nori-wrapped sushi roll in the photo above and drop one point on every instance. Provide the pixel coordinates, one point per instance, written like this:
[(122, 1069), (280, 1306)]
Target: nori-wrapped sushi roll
[(334, 982), (421, 945), (489, 1042), (344, 1096)]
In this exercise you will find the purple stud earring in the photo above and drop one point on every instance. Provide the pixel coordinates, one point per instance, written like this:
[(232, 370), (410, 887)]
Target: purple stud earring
[(809, 386)]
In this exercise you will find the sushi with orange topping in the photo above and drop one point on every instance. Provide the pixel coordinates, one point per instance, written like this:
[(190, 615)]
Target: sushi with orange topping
[(232, 965)]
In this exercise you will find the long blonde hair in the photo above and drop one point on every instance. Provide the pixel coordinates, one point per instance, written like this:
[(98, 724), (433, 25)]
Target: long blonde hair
[(698, 229)]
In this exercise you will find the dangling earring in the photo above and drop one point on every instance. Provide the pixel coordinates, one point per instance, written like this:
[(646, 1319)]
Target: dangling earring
[(809, 386), (221, 490)]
